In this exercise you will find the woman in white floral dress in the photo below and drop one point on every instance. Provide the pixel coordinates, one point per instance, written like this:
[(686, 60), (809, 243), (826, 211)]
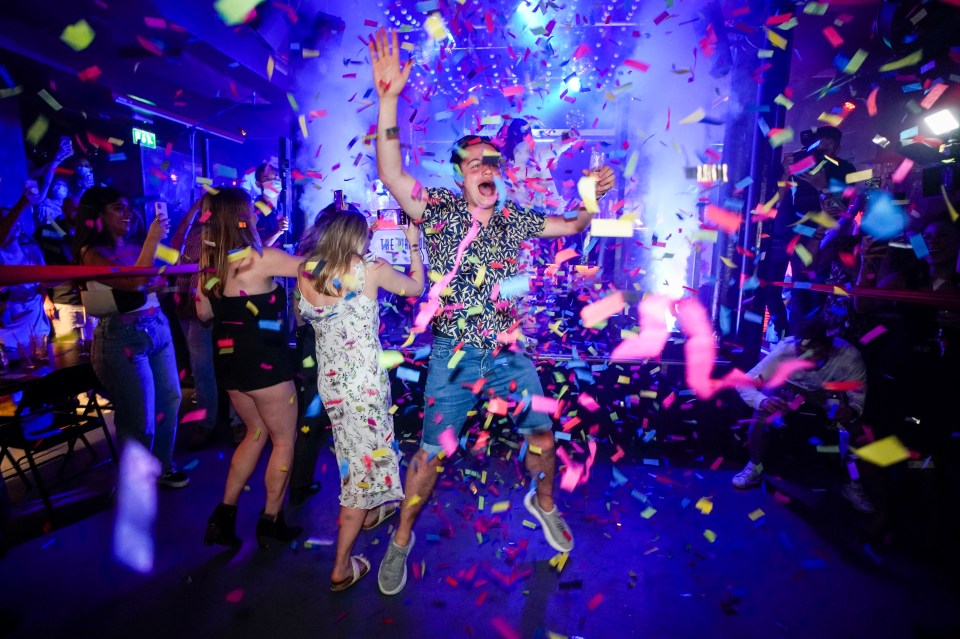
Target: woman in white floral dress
[(338, 288)]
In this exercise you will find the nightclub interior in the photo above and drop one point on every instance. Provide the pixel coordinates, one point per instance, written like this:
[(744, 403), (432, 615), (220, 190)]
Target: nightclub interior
[(650, 311)]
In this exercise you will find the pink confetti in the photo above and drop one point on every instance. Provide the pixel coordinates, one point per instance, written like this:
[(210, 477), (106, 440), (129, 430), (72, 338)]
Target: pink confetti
[(194, 416), (541, 404), (873, 334), (700, 350), (235, 596), (902, 171), (449, 442), (933, 95), (872, 102), (834, 38), (514, 90), (728, 221), (595, 601), (802, 165), (786, 370), (599, 311), (564, 255), (636, 64), (653, 331), (504, 629), (581, 51), (588, 402)]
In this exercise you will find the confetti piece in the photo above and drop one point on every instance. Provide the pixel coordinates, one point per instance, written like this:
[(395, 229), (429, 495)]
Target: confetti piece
[(950, 209), (51, 101), (653, 331), (587, 189), (194, 416), (883, 219), (832, 36), (234, 12), (910, 60), (648, 512), (933, 95), (449, 442), (239, 254), (390, 359), (167, 254), (704, 505), (499, 507), (855, 62), (872, 102), (599, 311), (755, 515), (133, 544), (37, 130), (902, 171), (710, 536), (883, 452), (622, 227), (78, 36), (435, 27), (696, 116), (729, 221), (776, 40), (637, 64), (700, 348), (859, 176)]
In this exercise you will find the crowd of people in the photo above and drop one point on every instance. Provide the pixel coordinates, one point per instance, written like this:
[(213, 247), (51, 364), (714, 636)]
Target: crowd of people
[(232, 314)]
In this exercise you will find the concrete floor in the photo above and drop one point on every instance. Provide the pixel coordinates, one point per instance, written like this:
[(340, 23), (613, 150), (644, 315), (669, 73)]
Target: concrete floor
[(798, 569)]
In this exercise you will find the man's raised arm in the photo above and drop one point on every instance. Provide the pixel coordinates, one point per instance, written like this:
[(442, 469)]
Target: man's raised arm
[(389, 78)]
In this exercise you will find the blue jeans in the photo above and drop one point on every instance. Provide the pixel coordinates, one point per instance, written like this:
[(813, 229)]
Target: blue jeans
[(452, 393), (199, 340), (134, 359)]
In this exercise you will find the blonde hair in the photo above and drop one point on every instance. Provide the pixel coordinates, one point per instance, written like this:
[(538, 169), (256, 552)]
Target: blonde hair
[(230, 226), (340, 238)]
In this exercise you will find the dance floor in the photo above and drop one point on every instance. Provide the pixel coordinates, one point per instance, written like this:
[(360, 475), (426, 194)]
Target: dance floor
[(664, 548)]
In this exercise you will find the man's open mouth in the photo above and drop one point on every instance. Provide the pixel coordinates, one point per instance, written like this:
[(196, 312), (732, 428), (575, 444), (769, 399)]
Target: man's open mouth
[(487, 189)]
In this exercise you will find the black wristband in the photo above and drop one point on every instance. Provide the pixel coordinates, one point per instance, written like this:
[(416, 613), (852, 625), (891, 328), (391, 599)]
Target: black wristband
[(392, 133)]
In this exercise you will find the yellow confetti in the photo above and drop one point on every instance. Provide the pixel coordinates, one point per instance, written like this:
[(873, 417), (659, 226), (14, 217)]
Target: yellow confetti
[(455, 359), (309, 362), (830, 118), (239, 255), (380, 453), (390, 359), (801, 251), (824, 219), (209, 189), (710, 535), (648, 512), (726, 260), (303, 125), (946, 198), (270, 66), (704, 505), (696, 116), (234, 12), (305, 429), (783, 101), (855, 62), (883, 452), (167, 254), (500, 507), (416, 499), (536, 450), (587, 189), (435, 26), (529, 524), (78, 36), (37, 130), (253, 308), (776, 40), (481, 273), (914, 58), (757, 514), (263, 207), (859, 176)]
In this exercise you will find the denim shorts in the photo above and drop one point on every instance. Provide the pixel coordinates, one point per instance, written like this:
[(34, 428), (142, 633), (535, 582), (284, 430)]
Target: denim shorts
[(451, 389)]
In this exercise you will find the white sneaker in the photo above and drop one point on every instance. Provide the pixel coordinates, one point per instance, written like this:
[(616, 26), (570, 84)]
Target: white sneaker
[(854, 493), (749, 477)]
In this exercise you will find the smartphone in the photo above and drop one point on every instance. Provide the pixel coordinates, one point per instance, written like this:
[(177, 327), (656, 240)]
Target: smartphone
[(402, 218), (160, 209)]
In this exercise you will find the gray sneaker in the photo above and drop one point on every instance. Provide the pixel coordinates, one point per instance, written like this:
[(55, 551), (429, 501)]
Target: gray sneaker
[(392, 576), (555, 529)]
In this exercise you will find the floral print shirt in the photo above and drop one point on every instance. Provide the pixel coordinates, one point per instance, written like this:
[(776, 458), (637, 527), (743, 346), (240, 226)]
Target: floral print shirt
[(468, 310)]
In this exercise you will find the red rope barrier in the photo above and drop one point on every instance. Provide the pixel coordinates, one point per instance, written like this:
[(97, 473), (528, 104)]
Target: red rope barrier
[(13, 275)]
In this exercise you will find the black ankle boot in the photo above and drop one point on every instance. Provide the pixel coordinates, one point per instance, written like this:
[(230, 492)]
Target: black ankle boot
[(271, 528), (222, 526)]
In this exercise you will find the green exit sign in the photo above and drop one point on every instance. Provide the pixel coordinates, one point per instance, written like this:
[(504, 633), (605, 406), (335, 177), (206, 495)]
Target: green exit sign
[(145, 138)]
